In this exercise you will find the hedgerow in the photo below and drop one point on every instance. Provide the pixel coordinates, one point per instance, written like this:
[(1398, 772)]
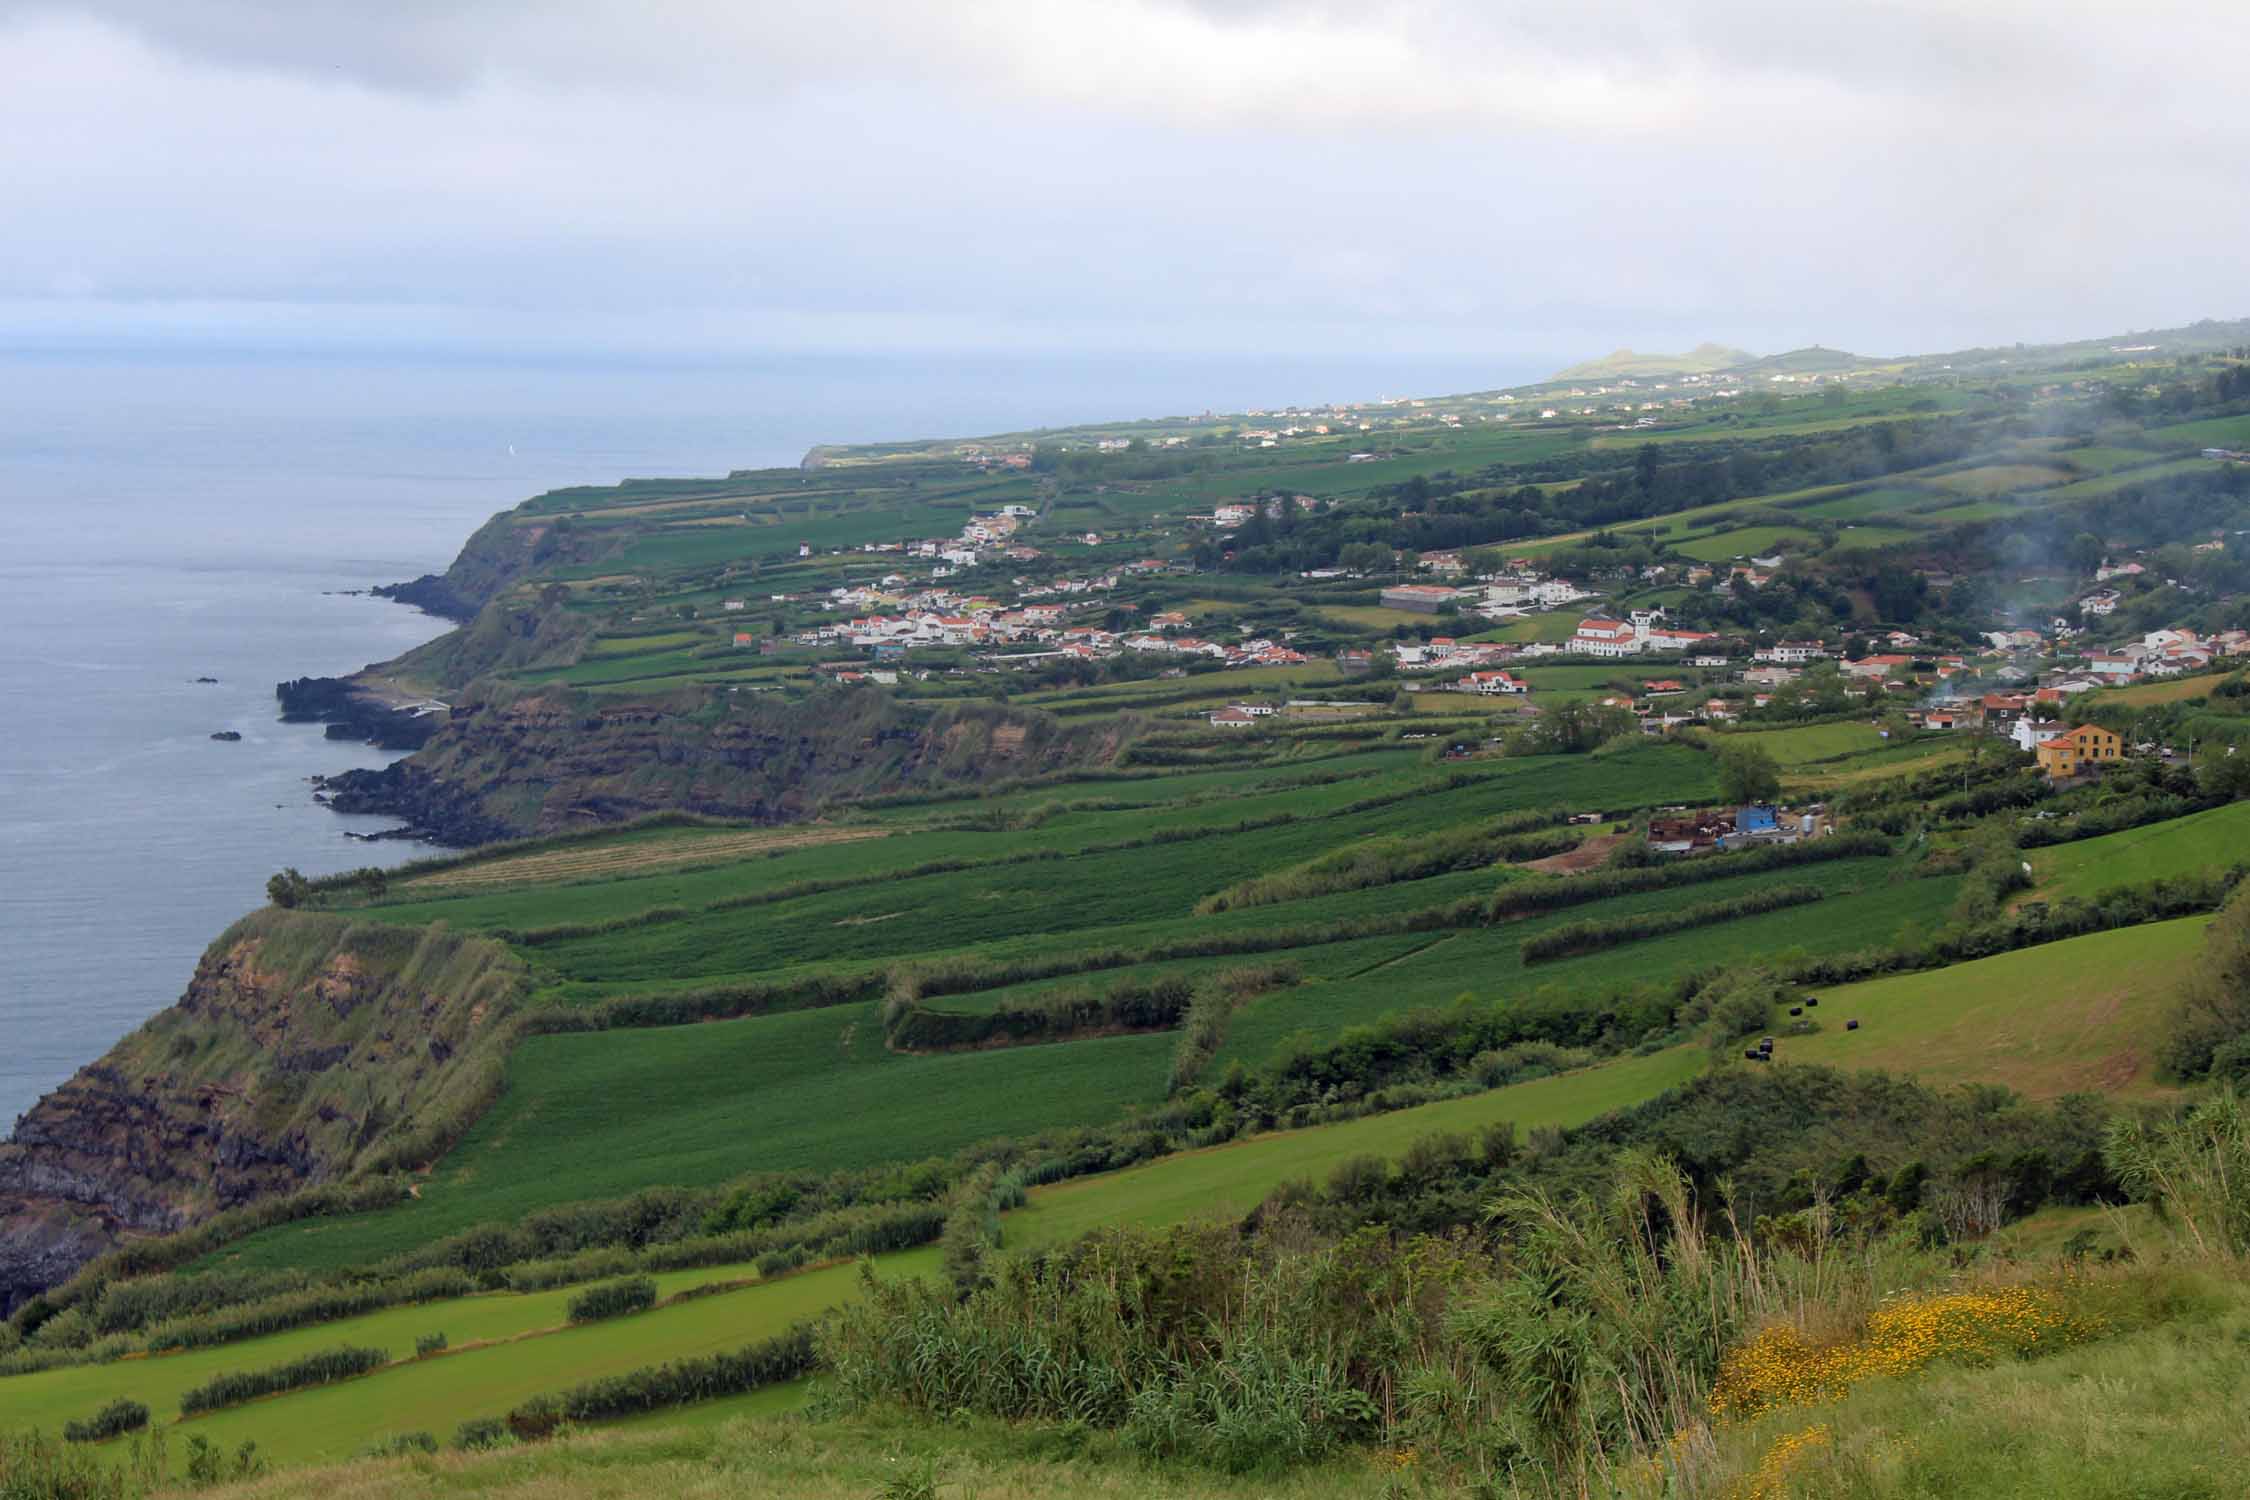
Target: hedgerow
[(325, 1368), (614, 1299), (1590, 936), (119, 1417), (768, 1362), (1523, 898)]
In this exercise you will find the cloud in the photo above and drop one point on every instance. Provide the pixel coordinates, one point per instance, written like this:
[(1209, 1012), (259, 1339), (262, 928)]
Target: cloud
[(1146, 173)]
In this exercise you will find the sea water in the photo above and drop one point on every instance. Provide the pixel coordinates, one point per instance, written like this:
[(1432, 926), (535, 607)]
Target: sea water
[(165, 519)]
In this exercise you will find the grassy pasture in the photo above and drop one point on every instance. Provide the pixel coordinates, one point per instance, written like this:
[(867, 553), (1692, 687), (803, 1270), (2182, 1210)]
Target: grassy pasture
[(1553, 627), (2099, 460), (1999, 479), (2199, 841), (599, 860), (1745, 541), (1234, 1177), (2218, 432), (2123, 479), (1803, 744), (602, 1115), (1863, 537), (2163, 690), (1375, 617), (1868, 504), (2083, 1014), (1973, 510)]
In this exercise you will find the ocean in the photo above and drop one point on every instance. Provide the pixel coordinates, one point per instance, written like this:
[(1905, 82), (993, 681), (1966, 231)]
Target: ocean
[(165, 518)]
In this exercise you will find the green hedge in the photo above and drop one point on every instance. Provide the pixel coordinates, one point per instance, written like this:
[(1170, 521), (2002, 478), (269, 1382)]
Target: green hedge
[(325, 1368), (1588, 937), (784, 1357), (119, 1417), (613, 1299), (1523, 898)]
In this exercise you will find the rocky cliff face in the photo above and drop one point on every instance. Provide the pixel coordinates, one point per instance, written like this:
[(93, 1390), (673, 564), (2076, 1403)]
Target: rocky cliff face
[(513, 762), (305, 1046), (499, 554)]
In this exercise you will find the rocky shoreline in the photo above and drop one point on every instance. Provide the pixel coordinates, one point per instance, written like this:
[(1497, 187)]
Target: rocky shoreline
[(353, 712)]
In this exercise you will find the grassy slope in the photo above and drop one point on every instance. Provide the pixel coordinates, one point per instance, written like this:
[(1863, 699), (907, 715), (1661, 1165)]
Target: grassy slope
[(2071, 1016), (2198, 841), (1236, 1176), (2160, 1411), (601, 1115)]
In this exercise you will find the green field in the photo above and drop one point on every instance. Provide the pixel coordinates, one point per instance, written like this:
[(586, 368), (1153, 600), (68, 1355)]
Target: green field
[(2199, 841), (2075, 1016), (2220, 432), (1868, 504), (1233, 1178), (1554, 627), (1745, 541), (1809, 743)]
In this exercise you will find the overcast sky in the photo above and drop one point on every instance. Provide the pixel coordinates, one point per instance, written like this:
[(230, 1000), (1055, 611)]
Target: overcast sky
[(698, 177)]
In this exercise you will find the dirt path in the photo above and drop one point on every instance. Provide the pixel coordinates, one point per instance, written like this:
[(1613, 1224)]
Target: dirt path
[(1577, 861)]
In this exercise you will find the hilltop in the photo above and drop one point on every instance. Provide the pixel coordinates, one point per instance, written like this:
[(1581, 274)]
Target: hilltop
[(1704, 359)]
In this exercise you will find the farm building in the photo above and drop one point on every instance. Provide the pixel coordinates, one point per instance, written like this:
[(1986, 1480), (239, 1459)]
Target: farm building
[(1422, 598)]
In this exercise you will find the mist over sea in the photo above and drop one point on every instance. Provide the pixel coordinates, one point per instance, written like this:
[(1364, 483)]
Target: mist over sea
[(164, 518)]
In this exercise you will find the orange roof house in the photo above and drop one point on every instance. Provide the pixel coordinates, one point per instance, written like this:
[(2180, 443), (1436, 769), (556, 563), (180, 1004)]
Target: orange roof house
[(2086, 748)]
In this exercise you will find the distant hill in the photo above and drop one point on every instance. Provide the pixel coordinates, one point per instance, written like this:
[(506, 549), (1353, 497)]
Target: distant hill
[(1627, 363), (1813, 360)]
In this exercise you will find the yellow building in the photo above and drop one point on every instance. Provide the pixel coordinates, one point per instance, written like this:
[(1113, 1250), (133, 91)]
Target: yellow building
[(2086, 748)]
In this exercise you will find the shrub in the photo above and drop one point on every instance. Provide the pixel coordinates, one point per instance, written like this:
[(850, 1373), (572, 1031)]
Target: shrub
[(613, 1300), (429, 1344), (479, 1433), (401, 1445), (35, 1468), (120, 1416), (325, 1368), (208, 1464)]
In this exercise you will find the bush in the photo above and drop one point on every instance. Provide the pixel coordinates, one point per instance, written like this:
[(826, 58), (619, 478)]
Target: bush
[(480, 1433), (32, 1467), (119, 1417), (325, 1368), (429, 1344), (614, 1300), (400, 1446)]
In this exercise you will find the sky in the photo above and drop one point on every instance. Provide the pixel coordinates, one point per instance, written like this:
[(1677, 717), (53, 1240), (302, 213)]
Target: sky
[(703, 179)]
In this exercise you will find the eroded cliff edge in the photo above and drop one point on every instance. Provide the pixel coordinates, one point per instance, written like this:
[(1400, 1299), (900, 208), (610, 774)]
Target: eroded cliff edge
[(515, 761), (307, 1048)]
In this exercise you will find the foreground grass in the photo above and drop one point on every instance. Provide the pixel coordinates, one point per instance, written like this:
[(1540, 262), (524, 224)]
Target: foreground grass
[(849, 1460), (2162, 1411)]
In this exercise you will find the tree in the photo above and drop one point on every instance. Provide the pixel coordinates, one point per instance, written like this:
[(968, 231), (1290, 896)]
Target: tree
[(2224, 772), (288, 889), (1747, 774)]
